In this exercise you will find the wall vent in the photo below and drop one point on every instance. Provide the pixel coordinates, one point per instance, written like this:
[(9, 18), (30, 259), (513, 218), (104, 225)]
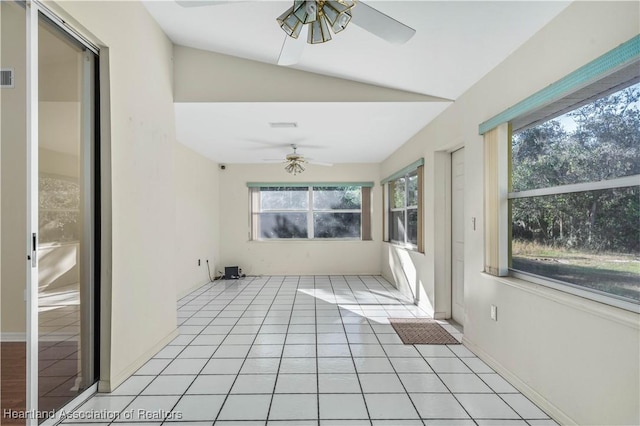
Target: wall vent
[(7, 78)]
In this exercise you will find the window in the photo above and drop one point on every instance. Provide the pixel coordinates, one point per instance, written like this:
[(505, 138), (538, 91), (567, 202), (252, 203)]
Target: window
[(403, 207), (313, 211), (574, 197)]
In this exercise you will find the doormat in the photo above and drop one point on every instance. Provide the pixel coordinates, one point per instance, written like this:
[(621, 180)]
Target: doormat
[(422, 331)]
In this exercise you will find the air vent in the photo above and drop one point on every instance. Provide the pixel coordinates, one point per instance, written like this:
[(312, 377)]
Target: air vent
[(6, 78), (283, 125)]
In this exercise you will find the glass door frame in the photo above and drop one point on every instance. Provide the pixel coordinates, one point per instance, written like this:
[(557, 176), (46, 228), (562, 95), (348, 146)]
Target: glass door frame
[(34, 11)]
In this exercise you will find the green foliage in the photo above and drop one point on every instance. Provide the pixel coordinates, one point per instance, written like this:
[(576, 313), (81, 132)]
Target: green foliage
[(599, 141)]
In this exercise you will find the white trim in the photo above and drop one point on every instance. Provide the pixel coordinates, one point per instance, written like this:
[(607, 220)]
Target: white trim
[(577, 290), (71, 405), (560, 294), (10, 336), (125, 373), (553, 411), (32, 211), (62, 24), (622, 182)]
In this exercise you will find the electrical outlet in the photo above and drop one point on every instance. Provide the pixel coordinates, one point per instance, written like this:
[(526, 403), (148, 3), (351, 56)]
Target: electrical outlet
[(494, 312)]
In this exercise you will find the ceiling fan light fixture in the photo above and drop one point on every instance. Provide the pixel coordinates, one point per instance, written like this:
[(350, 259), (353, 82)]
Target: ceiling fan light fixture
[(306, 10), (337, 13), (294, 167), (290, 23), (318, 31)]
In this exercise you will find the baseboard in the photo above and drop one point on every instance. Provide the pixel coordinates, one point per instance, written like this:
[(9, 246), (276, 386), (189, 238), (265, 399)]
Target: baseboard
[(556, 414), (190, 290), (13, 337), (440, 315), (107, 386)]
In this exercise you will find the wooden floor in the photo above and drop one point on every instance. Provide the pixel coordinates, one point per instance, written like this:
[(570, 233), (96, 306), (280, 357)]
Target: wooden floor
[(14, 377)]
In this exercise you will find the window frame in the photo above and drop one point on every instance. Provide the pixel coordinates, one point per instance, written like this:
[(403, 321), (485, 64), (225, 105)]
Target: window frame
[(255, 210), (417, 169), (617, 68)]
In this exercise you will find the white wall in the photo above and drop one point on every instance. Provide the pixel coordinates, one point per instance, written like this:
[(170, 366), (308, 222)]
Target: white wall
[(14, 158), (293, 257), (577, 358), (197, 219), (142, 136)]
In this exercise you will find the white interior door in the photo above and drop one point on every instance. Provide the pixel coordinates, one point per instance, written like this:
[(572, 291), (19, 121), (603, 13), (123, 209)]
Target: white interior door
[(457, 236)]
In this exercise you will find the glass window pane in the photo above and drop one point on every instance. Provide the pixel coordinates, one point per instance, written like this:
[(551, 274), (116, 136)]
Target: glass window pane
[(337, 198), (397, 226), (412, 226), (337, 225), (284, 198), (591, 239), (283, 225), (412, 190), (397, 193), (598, 141)]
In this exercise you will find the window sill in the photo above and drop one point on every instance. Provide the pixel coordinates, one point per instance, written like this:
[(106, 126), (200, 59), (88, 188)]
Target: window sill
[(407, 247), (311, 240), (622, 312)]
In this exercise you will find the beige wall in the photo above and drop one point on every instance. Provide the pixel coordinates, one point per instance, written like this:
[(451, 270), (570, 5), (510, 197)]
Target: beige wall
[(577, 359), (293, 257), (13, 180), (197, 221), (142, 138)]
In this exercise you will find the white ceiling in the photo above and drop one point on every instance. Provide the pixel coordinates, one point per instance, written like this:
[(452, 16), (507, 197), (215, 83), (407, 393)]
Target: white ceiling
[(456, 43), (354, 132)]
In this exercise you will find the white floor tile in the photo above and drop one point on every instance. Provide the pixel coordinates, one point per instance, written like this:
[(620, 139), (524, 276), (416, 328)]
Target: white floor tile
[(333, 351), (254, 384), (486, 406), (223, 366), (297, 365), (194, 351), (338, 383), (245, 407), (373, 365), (367, 351), (390, 406), (477, 365), (297, 383), (335, 365), (497, 383), (185, 366), (260, 366), (169, 385), (447, 365), (381, 383), (436, 351), (133, 385), (143, 407), (417, 383), (294, 407), (153, 367), (212, 385), (438, 406), (199, 407), (410, 365), (523, 406), (232, 351), (299, 351), (342, 406), (265, 351), (464, 383)]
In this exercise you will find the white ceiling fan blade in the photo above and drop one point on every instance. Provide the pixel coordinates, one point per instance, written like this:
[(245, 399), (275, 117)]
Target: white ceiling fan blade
[(199, 3), (319, 163), (381, 25), (292, 48)]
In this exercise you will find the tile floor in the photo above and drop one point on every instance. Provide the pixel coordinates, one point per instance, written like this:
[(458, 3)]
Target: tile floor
[(309, 350)]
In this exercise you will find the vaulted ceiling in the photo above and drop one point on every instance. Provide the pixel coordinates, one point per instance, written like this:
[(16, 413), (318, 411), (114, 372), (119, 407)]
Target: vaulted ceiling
[(456, 44)]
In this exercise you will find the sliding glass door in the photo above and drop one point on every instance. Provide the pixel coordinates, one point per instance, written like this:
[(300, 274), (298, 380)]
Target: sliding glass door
[(49, 213), (66, 225)]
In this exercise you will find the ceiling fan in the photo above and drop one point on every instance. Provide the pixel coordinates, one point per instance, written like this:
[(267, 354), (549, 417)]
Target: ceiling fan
[(294, 162), (314, 18)]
